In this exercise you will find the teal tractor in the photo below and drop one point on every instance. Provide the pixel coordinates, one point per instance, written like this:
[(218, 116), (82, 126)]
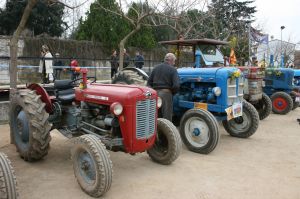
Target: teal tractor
[(281, 86), (206, 96)]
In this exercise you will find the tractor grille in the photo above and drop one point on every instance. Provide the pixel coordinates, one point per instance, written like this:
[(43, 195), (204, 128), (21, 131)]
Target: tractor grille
[(235, 90), (145, 118)]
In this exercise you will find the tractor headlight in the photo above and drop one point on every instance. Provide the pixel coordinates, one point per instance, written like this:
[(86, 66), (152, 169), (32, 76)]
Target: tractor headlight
[(116, 108), (217, 91), (159, 102)]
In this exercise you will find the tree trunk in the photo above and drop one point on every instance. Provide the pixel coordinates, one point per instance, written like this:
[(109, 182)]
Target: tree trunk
[(14, 44), (122, 45), (14, 53)]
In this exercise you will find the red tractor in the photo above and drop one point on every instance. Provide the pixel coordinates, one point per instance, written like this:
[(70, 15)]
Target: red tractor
[(102, 117), (8, 184)]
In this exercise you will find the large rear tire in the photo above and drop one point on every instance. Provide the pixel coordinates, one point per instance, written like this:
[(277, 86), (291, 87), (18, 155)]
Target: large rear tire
[(167, 146), (30, 128), (264, 107), (244, 126), (8, 182), (295, 104), (199, 131), (92, 165), (129, 77), (282, 103)]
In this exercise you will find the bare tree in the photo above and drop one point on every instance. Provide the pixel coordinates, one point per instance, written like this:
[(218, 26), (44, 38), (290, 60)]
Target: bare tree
[(14, 44), (151, 13), (15, 38)]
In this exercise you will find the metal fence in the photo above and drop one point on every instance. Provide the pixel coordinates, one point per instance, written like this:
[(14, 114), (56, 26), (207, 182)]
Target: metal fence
[(28, 68)]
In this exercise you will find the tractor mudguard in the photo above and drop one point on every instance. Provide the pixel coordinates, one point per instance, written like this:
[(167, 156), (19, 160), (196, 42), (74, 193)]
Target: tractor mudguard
[(44, 96), (139, 71)]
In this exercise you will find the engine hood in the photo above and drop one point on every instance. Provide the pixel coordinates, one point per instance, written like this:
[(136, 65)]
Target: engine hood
[(109, 93), (206, 74)]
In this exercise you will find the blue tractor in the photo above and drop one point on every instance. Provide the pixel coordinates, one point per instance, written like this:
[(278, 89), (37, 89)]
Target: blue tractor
[(280, 85), (205, 96)]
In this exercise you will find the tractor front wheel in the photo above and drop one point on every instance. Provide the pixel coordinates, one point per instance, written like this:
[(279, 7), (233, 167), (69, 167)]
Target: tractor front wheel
[(30, 128), (282, 103), (264, 107), (92, 165), (244, 126), (8, 183), (295, 103), (167, 144), (199, 131)]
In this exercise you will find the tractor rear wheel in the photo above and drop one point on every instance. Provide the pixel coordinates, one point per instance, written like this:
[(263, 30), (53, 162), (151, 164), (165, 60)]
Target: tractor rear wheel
[(30, 128), (8, 183), (244, 126), (199, 131), (167, 145), (264, 106), (282, 103), (129, 77), (92, 165), (295, 104)]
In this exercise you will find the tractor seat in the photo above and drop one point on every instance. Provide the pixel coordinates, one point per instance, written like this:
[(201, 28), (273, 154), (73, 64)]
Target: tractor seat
[(66, 96), (64, 91), (63, 84)]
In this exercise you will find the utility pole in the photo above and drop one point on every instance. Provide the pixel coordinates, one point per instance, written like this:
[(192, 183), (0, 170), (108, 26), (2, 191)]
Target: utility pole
[(282, 61)]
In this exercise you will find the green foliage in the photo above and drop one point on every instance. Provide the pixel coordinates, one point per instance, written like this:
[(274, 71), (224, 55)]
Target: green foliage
[(109, 28), (230, 19), (44, 18), (103, 26)]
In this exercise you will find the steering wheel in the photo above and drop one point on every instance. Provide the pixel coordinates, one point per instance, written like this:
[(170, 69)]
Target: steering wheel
[(88, 77)]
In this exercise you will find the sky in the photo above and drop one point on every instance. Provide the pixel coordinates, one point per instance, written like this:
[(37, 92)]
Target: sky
[(270, 16)]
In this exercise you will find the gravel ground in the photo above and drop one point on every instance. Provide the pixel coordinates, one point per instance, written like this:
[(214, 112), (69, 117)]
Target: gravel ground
[(267, 165)]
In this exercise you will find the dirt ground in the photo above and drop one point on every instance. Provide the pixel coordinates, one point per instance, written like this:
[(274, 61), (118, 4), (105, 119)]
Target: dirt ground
[(267, 165)]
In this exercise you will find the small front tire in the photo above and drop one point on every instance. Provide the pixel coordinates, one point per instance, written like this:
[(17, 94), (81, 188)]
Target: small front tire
[(8, 183), (92, 165), (199, 131), (264, 107), (282, 103), (244, 126), (295, 104), (167, 146)]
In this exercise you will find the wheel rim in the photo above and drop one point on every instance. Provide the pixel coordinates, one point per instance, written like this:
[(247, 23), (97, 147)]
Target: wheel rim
[(86, 166), (22, 131), (280, 103), (196, 131), (241, 124)]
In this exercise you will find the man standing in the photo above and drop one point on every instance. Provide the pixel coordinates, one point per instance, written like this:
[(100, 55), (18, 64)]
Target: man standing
[(46, 65), (126, 58), (114, 63), (165, 80), (138, 60), (57, 66)]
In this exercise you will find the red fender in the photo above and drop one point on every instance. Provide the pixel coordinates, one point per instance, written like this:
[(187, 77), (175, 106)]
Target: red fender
[(44, 96)]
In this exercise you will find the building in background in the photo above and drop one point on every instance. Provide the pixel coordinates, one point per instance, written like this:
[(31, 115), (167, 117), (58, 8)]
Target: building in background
[(265, 51)]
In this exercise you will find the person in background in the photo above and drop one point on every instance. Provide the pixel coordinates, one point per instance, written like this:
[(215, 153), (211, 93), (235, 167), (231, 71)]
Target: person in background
[(165, 80), (114, 63), (46, 65), (138, 60), (126, 58), (58, 63), (75, 69)]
